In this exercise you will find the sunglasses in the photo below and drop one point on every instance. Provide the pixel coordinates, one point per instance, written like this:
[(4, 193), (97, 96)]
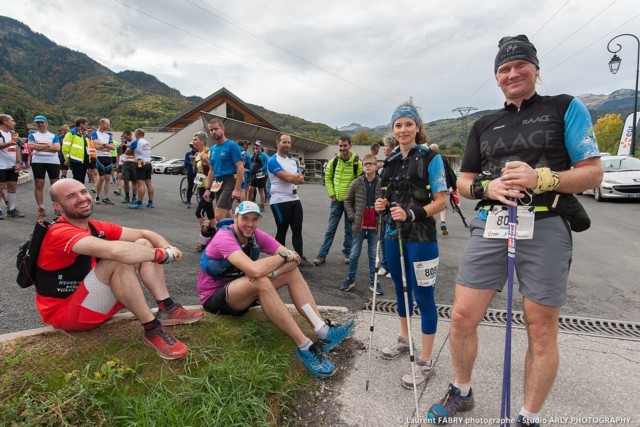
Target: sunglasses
[(368, 164)]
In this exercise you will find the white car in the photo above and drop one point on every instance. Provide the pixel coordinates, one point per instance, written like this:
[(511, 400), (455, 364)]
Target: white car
[(173, 166), (621, 179), (156, 160)]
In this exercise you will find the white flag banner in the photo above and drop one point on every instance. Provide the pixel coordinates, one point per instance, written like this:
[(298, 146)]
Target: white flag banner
[(624, 149)]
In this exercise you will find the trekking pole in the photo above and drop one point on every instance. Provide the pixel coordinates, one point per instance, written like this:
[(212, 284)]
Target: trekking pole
[(505, 409), (455, 205), (408, 311), (373, 298)]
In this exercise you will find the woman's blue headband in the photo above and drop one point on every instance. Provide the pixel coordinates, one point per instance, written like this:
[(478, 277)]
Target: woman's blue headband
[(406, 111)]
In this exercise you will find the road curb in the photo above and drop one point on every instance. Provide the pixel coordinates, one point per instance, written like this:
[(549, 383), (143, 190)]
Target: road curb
[(11, 336)]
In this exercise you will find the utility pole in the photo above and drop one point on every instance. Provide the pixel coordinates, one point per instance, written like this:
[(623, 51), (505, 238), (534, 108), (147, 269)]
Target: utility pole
[(464, 112)]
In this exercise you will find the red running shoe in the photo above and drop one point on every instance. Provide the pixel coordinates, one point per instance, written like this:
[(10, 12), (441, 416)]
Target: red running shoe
[(164, 343), (177, 315)]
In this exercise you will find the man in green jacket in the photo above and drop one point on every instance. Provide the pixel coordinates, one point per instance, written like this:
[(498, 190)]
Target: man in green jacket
[(340, 173)]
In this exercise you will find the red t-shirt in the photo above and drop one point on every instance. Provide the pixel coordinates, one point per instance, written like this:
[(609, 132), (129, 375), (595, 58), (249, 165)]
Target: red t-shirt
[(60, 270)]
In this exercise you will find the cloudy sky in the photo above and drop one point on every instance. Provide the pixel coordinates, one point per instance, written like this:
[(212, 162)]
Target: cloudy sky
[(339, 62)]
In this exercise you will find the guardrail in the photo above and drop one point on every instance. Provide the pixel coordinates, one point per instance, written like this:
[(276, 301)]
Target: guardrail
[(313, 171)]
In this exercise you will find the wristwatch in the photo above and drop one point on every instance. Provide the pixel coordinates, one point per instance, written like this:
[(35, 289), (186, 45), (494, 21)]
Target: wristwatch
[(284, 255)]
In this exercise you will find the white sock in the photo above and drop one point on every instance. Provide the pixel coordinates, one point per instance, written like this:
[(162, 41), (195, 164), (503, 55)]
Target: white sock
[(464, 388), (12, 200), (323, 331), (320, 327), (306, 345), (531, 416)]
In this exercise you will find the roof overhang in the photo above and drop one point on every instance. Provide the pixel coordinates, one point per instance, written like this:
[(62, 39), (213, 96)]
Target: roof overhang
[(252, 132), (221, 94)]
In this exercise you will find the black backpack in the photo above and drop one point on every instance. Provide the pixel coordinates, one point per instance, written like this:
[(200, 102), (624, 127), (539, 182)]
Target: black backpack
[(256, 163), (27, 257), (356, 161)]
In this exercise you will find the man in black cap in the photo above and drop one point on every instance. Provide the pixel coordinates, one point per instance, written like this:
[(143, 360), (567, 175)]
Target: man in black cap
[(539, 151)]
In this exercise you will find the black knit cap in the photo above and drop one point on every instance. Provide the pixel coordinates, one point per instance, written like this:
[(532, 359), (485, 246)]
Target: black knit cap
[(514, 48)]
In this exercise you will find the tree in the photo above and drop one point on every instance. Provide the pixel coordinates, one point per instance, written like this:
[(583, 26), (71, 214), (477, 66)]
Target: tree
[(21, 123), (608, 129), (361, 138)]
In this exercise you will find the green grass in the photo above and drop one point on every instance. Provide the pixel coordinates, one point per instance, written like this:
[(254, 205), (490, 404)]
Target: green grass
[(238, 372)]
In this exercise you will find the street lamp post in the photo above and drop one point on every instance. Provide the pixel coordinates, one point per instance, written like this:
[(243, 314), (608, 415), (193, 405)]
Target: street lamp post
[(614, 66)]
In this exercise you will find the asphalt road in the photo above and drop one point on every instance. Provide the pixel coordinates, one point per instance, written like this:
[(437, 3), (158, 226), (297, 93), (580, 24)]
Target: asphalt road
[(603, 281)]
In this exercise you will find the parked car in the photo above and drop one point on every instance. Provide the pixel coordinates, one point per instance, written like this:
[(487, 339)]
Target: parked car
[(173, 166), (621, 179), (156, 160)]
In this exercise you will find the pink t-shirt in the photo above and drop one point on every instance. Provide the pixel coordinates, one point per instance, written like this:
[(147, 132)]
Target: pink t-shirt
[(223, 244)]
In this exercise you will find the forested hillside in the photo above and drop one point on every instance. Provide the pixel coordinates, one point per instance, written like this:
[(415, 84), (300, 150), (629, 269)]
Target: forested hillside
[(40, 77)]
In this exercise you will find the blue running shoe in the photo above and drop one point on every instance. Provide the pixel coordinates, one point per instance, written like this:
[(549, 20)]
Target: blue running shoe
[(452, 403), (134, 199), (316, 362), (336, 334), (136, 206), (15, 213), (1, 215), (151, 205)]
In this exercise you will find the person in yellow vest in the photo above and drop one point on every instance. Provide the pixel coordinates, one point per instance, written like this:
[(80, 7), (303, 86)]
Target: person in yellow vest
[(76, 149)]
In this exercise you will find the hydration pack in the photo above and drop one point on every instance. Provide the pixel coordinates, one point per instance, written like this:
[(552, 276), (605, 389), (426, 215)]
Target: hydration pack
[(222, 267), (28, 252)]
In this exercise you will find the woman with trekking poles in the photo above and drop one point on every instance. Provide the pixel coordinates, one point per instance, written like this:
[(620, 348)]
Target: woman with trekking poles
[(415, 191)]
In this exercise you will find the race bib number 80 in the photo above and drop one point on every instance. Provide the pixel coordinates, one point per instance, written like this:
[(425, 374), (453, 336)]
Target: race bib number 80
[(497, 225), (426, 272)]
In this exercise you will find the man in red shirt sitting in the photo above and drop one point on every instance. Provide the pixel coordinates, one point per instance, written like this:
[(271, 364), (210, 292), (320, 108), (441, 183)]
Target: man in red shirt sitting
[(88, 270)]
